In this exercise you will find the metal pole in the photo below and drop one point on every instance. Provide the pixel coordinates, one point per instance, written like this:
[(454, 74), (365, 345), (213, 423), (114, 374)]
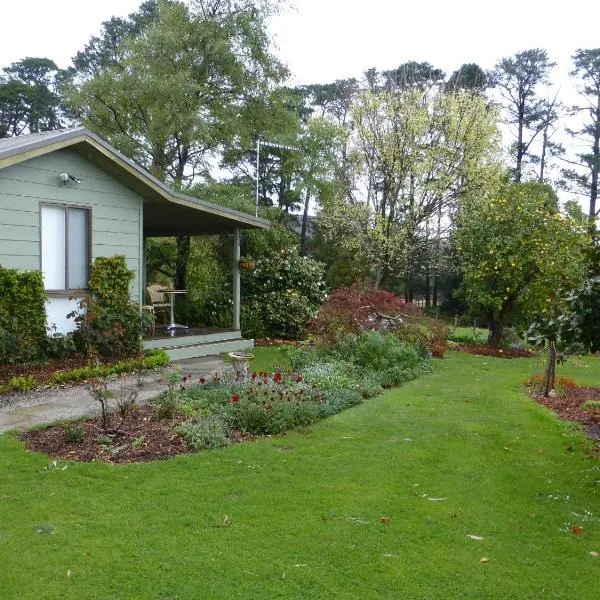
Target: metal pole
[(257, 174)]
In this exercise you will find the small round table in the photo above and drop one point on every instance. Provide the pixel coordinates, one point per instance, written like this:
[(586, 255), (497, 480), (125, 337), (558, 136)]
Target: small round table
[(172, 294)]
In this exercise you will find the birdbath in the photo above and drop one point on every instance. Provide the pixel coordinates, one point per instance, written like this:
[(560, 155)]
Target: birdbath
[(241, 364)]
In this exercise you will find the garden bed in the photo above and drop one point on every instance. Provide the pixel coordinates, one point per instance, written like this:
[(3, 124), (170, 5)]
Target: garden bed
[(567, 404), (42, 372), (140, 438), (483, 350)]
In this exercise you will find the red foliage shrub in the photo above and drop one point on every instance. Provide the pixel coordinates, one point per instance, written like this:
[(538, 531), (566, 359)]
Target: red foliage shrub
[(357, 308)]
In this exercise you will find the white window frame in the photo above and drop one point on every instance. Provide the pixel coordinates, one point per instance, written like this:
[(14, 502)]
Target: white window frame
[(66, 206)]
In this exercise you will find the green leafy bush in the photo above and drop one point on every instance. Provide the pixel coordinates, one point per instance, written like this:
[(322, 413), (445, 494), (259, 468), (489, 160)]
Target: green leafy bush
[(285, 291), (22, 383), (207, 432), (111, 324), (74, 434), (153, 360), (22, 316)]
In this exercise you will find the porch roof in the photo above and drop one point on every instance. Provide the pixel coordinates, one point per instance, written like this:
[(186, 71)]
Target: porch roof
[(166, 212)]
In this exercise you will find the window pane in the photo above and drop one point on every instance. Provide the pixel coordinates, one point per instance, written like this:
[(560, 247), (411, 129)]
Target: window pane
[(53, 247), (77, 248)]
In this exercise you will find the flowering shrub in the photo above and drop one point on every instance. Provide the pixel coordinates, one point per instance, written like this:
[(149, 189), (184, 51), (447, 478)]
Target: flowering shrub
[(270, 403), (284, 291)]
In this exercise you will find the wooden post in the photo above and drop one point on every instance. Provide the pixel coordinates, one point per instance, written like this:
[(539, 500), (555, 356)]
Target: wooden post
[(236, 280)]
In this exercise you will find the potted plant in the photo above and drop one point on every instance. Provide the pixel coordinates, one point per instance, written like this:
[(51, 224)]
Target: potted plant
[(247, 263)]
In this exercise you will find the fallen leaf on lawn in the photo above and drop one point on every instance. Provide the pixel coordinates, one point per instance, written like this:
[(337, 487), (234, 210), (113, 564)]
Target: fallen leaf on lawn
[(593, 553), (302, 565), (68, 572), (390, 556), (474, 537), (433, 499), (484, 559), (226, 521), (577, 530), (384, 520)]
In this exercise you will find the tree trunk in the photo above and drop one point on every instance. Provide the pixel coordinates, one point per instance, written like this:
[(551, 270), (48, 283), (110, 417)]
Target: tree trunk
[(304, 224), (496, 328), (550, 368), (520, 149), (427, 289), (182, 260), (595, 166)]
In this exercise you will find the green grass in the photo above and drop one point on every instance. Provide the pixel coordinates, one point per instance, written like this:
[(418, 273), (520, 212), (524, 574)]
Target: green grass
[(472, 335), (305, 509)]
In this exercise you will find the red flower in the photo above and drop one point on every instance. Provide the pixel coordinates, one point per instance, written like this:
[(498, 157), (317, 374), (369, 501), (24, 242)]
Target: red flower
[(277, 377), (202, 380), (298, 378), (235, 398), (265, 381), (254, 375), (185, 378)]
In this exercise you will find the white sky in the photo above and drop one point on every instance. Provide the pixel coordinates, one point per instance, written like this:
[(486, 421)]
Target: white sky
[(324, 40)]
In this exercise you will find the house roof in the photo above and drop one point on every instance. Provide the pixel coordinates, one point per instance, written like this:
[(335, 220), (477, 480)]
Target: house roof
[(166, 212)]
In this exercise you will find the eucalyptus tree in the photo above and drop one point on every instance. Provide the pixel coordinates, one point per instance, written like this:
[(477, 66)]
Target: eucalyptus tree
[(518, 79), (587, 70), (468, 76), (29, 102), (170, 85)]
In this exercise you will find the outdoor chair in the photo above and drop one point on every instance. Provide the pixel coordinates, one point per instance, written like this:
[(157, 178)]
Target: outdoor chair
[(156, 299)]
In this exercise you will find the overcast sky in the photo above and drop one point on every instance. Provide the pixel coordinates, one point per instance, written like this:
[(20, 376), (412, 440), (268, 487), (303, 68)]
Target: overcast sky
[(322, 40)]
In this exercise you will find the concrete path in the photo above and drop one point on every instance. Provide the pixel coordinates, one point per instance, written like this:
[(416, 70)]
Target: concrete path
[(23, 411)]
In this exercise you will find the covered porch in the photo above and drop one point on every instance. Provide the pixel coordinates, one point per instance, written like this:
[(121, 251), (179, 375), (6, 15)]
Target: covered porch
[(183, 215)]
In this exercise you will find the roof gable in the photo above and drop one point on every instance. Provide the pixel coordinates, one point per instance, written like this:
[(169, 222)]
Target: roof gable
[(166, 212)]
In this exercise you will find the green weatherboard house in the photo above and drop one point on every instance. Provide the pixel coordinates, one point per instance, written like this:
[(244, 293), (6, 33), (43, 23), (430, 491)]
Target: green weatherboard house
[(68, 197)]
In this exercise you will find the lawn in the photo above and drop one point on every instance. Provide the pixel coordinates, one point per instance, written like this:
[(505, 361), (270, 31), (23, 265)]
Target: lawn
[(461, 452)]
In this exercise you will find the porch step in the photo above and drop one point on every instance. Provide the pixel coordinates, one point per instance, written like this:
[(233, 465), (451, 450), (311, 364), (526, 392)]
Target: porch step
[(180, 352), (190, 338)]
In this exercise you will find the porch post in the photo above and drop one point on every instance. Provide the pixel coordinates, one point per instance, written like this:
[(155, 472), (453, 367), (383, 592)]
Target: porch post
[(236, 280)]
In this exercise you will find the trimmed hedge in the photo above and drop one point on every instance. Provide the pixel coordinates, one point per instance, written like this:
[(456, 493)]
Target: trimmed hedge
[(23, 336)]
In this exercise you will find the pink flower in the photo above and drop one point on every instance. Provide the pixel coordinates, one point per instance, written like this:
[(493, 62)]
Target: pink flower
[(202, 380)]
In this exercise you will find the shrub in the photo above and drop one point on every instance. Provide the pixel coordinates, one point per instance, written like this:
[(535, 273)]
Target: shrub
[(74, 434), (207, 432), (111, 323), (22, 316), (331, 375), (21, 383), (591, 405), (356, 308), (285, 291), (339, 400)]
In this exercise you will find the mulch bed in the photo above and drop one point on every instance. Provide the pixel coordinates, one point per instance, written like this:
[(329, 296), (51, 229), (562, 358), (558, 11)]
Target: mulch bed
[(567, 405), (43, 372), (483, 350), (140, 438), (275, 342)]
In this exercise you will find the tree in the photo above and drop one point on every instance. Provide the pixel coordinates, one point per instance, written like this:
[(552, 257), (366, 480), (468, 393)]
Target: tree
[(421, 151), (518, 79), (28, 99), (174, 90), (469, 76), (518, 254), (587, 69)]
